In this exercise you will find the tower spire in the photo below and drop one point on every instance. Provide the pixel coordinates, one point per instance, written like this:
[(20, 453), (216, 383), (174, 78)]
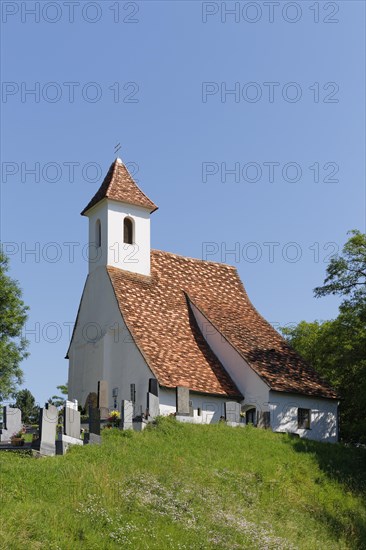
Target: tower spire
[(118, 185), (119, 223)]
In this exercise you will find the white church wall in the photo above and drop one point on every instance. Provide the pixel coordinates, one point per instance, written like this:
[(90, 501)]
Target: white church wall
[(211, 407), (102, 348), (252, 387), (97, 255), (113, 251), (132, 257), (324, 416)]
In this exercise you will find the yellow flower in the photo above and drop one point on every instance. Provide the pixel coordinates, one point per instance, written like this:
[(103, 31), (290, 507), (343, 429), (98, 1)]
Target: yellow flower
[(115, 415)]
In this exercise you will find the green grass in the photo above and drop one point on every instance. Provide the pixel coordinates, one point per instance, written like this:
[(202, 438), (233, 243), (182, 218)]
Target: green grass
[(181, 486)]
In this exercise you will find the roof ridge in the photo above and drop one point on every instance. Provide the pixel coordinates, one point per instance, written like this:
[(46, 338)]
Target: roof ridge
[(140, 277), (114, 170), (222, 264), (120, 161)]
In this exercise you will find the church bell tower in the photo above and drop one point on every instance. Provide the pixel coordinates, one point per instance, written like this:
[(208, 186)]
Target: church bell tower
[(119, 223)]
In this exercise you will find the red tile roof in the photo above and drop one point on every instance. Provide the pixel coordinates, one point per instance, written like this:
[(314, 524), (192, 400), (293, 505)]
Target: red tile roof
[(119, 186), (157, 311)]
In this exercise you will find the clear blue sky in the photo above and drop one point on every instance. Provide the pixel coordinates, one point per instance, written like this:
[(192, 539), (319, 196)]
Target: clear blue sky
[(170, 126)]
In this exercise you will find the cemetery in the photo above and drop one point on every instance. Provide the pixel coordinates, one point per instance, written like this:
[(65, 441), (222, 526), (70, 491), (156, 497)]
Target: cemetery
[(59, 430)]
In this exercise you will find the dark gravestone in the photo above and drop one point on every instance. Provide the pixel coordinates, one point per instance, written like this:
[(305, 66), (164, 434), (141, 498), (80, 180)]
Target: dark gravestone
[(182, 397), (94, 421), (12, 423), (103, 405), (71, 422), (91, 401), (232, 411), (264, 419), (153, 405), (153, 386)]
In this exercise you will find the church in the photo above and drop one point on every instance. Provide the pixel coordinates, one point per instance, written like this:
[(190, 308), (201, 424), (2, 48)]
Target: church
[(154, 318)]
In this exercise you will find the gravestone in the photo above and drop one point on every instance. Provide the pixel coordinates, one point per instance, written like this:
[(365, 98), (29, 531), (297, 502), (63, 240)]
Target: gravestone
[(153, 386), (71, 428), (139, 423), (126, 415), (182, 401), (92, 439), (264, 419), (65, 441), (91, 401), (94, 421), (232, 411), (71, 420), (103, 404), (153, 405), (12, 423), (72, 404), (46, 444)]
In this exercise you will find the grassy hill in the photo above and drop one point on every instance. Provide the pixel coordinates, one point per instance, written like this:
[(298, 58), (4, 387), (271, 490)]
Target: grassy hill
[(181, 486)]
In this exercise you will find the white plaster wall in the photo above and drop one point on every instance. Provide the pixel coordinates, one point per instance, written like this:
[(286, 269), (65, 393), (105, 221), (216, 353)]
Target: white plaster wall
[(212, 407), (97, 256), (252, 387), (134, 257), (324, 416), (114, 252), (102, 347)]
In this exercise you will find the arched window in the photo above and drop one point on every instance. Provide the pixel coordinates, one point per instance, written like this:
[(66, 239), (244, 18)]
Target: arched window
[(128, 231), (98, 234)]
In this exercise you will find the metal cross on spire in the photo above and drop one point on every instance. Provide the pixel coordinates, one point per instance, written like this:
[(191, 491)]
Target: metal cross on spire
[(117, 148)]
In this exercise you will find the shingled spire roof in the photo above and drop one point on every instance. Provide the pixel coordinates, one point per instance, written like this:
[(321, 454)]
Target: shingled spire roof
[(118, 185)]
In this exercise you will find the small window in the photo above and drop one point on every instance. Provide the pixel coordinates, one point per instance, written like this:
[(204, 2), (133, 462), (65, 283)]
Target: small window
[(303, 418), (98, 234), (128, 231)]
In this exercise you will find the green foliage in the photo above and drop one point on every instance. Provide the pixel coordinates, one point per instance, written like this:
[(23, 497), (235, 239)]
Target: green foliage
[(336, 348), (346, 274), (182, 486), (58, 400), (13, 315), (64, 388), (27, 404)]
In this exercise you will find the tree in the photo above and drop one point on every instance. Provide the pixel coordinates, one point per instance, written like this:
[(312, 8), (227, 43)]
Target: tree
[(346, 274), (336, 348), (13, 346), (64, 388), (27, 404), (58, 400)]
